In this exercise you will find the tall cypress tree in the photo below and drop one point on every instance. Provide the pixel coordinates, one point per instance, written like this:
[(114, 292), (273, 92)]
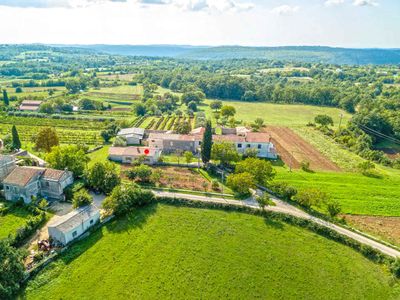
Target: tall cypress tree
[(5, 98), (16, 143), (207, 143)]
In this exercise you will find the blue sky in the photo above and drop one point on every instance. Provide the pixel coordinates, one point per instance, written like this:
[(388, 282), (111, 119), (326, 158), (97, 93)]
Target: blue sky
[(344, 23)]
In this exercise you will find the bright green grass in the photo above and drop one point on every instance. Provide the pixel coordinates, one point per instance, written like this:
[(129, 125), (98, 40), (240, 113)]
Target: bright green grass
[(121, 89), (164, 252), (14, 219), (279, 114), (357, 193)]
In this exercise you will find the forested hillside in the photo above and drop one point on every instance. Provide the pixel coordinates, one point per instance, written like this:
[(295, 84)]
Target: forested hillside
[(326, 55)]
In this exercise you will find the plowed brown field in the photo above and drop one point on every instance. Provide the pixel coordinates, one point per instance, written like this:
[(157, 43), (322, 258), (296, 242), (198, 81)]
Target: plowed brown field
[(293, 150)]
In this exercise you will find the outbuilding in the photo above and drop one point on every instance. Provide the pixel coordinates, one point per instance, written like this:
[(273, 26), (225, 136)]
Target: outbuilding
[(133, 136), (72, 225)]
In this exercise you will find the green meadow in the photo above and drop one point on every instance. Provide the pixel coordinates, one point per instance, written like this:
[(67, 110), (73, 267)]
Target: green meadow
[(12, 220), (168, 252)]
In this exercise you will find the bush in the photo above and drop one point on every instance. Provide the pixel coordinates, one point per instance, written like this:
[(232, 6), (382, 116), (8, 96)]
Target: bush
[(283, 190), (305, 166), (241, 183), (81, 198), (142, 173), (395, 268), (69, 191), (125, 198), (215, 185), (311, 197), (334, 208)]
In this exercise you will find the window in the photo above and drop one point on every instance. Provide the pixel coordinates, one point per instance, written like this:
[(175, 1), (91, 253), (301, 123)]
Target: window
[(7, 187), (91, 222), (259, 146), (239, 145), (47, 183), (74, 234), (248, 145)]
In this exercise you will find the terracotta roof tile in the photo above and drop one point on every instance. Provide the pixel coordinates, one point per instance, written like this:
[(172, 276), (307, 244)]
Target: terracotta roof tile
[(21, 176)]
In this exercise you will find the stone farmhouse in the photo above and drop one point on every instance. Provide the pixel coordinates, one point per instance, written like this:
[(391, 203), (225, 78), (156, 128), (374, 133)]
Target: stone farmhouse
[(27, 182)]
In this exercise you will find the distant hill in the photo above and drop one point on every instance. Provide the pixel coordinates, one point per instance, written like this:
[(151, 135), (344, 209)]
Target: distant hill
[(312, 54)]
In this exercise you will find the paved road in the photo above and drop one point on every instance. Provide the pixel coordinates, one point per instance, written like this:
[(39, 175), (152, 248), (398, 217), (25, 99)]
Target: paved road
[(284, 207)]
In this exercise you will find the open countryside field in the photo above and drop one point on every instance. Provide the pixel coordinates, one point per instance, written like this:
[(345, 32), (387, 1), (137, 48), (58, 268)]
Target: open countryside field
[(293, 150), (280, 114), (357, 193), (169, 252)]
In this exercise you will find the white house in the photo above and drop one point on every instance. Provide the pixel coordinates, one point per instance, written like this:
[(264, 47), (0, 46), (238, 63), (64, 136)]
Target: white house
[(133, 136), (128, 155), (72, 225), (27, 182), (250, 140)]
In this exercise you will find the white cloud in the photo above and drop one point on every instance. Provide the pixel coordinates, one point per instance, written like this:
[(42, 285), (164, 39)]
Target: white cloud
[(285, 10), (333, 2), (212, 5), (365, 3)]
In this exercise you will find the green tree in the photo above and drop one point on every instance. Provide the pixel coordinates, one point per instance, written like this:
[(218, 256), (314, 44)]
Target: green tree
[(139, 109), (261, 170), (46, 139), (156, 176), (125, 198), (70, 157), (323, 120), (188, 156), (206, 145), (225, 152), (228, 111), (18, 90), (241, 183), (12, 270), (183, 127), (81, 198), (216, 105), (102, 177), (5, 98), (16, 143)]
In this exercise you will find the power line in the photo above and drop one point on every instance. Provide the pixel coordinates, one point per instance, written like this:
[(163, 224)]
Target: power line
[(379, 134)]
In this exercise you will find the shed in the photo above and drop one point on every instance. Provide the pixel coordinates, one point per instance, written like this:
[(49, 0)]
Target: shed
[(133, 136), (72, 225)]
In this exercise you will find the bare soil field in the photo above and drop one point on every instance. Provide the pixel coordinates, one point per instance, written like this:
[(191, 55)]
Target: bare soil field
[(385, 228), (293, 150), (179, 178)]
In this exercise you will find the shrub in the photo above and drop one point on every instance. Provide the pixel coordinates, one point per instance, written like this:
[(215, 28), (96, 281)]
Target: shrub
[(81, 198), (125, 198), (311, 197), (334, 208), (215, 185), (241, 183), (283, 190), (305, 166), (395, 268)]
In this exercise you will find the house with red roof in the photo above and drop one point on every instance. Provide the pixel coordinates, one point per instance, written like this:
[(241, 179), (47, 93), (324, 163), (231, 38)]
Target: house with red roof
[(127, 155)]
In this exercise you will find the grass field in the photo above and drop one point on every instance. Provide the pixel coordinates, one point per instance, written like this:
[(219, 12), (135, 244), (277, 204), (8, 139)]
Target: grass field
[(165, 252), (280, 114), (357, 193), (14, 219)]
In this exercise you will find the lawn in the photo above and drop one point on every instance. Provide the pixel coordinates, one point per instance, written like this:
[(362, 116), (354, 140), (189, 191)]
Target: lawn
[(165, 252), (280, 114), (14, 219), (357, 193)]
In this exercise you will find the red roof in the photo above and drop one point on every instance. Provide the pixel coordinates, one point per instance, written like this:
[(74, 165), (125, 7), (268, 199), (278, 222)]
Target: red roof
[(28, 107), (131, 151), (257, 137), (233, 138), (21, 176)]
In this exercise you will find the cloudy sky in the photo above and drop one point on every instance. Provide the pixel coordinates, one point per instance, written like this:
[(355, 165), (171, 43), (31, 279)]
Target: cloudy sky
[(347, 23)]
